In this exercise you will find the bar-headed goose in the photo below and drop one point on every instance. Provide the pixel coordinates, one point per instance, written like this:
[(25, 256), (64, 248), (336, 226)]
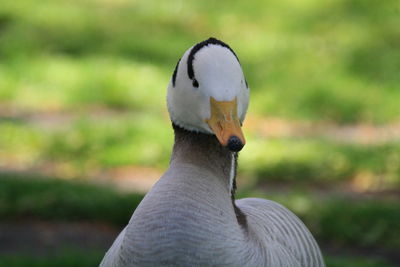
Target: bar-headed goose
[(190, 217)]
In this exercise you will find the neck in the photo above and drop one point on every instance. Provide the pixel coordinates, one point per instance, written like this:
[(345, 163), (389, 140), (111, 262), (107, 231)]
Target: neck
[(205, 151), (190, 210)]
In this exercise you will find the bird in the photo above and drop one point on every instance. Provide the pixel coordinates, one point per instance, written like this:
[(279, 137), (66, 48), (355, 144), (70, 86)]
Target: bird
[(190, 217)]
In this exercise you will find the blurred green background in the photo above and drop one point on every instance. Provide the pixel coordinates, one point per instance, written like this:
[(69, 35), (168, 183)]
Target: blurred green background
[(84, 130)]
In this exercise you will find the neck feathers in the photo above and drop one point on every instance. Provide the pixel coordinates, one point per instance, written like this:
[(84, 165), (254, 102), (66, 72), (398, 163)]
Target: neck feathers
[(201, 149), (205, 150)]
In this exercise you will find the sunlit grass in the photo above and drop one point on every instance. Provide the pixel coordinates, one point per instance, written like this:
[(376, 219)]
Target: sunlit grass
[(137, 140), (88, 144), (300, 60), (63, 83)]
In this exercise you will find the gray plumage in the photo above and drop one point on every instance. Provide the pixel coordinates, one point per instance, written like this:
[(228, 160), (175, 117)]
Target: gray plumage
[(188, 218)]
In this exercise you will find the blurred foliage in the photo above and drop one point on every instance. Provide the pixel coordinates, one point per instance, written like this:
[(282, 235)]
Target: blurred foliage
[(355, 262), (321, 161), (92, 144), (55, 199), (57, 82), (112, 143), (338, 61), (367, 223), (88, 144), (66, 258)]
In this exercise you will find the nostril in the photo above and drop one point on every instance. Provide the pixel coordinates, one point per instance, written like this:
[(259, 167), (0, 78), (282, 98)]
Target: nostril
[(234, 144)]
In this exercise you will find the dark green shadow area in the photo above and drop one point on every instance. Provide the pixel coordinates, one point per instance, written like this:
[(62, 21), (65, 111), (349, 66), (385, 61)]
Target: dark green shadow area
[(312, 161), (65, 258), (29, 197)]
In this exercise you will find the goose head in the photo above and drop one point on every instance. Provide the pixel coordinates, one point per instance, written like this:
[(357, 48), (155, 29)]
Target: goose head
[(208, 93)]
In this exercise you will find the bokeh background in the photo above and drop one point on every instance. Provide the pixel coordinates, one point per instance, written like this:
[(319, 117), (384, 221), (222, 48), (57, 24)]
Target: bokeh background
[(84, 130)]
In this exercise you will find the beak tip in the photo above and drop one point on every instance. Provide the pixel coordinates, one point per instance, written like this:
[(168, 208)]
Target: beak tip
[(235, 144)]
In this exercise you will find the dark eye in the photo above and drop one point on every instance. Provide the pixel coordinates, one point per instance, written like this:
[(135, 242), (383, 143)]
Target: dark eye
[(195, 83)]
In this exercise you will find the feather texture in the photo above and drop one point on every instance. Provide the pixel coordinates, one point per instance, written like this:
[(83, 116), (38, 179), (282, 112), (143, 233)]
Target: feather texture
[(187, 218)]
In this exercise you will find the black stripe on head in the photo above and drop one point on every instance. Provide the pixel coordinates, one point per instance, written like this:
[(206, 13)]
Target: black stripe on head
[(174, 74), (199, 46)]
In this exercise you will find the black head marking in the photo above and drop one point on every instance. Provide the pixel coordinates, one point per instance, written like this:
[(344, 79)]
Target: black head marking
[(199, 46), (175, 71)]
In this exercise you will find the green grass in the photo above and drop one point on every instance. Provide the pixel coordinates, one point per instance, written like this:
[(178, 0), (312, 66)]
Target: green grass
[(367, 223), (89, 144), (58, 82), (48, 199), (92, 144), (338, 61), (134, 140), (67, 258), (321, 161), (356, 262)]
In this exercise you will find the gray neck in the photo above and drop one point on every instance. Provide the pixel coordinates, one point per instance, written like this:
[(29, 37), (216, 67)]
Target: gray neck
[(190, 211), (202, 150), (205, 151)]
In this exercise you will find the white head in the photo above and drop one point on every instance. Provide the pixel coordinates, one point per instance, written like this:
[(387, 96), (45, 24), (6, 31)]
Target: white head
[(208, 93)]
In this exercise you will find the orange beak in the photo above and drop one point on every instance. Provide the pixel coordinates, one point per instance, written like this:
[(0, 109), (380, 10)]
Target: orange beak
[(225, 124)]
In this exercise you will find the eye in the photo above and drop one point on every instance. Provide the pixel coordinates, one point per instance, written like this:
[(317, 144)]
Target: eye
[(195, 83)]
